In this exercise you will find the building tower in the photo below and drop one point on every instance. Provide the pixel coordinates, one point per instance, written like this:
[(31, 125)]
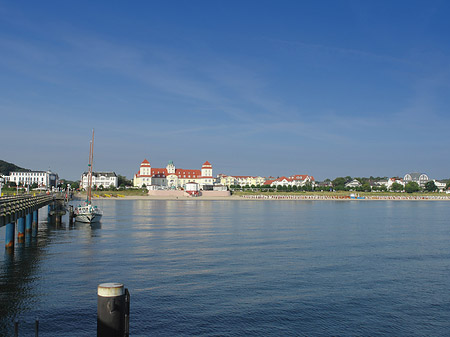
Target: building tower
[(170, 168), (207, 170), (145, 169)]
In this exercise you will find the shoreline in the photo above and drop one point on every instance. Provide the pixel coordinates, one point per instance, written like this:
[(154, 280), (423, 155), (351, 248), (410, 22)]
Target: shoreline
[(276, 198)]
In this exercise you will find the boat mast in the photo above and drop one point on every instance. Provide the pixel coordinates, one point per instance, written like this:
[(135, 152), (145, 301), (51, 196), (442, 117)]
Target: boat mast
[(91, 159)]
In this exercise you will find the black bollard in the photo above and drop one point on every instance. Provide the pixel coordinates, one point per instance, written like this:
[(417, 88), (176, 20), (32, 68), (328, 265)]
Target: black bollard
[(71, 214), (112, 310), (16, 328), (36, 327)]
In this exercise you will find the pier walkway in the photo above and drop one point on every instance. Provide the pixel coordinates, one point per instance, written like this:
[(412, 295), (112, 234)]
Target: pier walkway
[(13, 208)]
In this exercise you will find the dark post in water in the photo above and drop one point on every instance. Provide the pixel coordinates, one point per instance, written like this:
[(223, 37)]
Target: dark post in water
[(113, 309)]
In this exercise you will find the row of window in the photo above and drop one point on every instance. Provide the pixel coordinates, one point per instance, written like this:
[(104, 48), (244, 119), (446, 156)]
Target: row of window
[(31, 179), (33, 174)]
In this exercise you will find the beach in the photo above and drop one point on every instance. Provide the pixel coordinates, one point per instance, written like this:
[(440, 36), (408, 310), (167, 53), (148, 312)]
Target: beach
[(262, 197)]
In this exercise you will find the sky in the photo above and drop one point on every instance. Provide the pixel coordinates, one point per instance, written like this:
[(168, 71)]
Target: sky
[(267, 88)]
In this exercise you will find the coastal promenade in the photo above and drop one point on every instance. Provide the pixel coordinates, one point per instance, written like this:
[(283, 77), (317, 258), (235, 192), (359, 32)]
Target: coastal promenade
[(343, 198), (274, 197)]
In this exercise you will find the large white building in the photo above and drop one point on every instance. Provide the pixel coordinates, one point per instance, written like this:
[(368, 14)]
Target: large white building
[(103, 179), (241, 180), (420, 178), (46, 179), (171, 177), (297, 180)]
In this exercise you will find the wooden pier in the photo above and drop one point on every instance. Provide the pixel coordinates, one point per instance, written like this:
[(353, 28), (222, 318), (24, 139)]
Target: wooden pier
[(23, 210)]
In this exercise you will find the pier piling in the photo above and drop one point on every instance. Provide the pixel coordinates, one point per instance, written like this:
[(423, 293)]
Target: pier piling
[(113, 309), (28, 222), (35, 219), (21, 230), (9, 235)]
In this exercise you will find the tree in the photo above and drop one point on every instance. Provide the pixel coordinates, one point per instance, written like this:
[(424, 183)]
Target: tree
[(307, 187), (339, 183), (123, 181), (396, 187), (365, 187), (412, 186), (430, 186), (383, 188)]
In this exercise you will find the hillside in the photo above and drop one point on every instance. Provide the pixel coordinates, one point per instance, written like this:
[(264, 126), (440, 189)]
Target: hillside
[(6, 168)]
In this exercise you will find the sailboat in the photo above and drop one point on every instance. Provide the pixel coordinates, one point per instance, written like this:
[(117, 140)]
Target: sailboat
[(89, 213)]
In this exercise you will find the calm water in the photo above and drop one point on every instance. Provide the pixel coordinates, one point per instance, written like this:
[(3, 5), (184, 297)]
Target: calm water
[(239, 268)]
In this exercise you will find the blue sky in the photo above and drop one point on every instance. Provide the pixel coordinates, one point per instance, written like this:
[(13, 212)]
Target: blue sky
[(326, 88)]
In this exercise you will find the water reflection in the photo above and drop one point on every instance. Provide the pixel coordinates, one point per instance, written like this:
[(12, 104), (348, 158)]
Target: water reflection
[(224, 267), (20, 268)]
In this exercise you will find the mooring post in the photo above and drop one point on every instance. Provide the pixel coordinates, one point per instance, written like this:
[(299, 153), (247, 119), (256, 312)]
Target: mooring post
[(113, 309), (21, 230), (36, 327), (71, 215), (49, 216), (9, 235), (16, 327)]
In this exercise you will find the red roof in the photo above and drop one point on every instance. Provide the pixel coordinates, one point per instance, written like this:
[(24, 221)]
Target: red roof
[(181, 173), (301, 177)]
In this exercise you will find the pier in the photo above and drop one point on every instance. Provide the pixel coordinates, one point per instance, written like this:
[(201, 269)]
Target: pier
[(23, 211)]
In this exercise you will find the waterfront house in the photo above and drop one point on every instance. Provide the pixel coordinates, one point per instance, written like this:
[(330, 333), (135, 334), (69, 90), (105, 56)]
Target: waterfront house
[(440, 185), (420, 178), (103, 179), (46, 179), (353, 184), (229, 180)]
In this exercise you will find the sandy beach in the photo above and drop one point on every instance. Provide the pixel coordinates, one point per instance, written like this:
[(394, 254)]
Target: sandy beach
[(279, 198)]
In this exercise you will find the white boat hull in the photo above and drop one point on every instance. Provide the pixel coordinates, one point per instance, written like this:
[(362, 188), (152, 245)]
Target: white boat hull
[(88, 214), (88, 218)]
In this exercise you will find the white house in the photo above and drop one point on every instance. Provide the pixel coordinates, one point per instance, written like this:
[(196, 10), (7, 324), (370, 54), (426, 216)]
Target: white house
[(397, 180), (104, 179), (440, 185), (295, 180), (420, 178), (46, 179), (352, 184)]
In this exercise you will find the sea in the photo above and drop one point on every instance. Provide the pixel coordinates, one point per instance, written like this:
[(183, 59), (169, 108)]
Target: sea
[(238, 268)]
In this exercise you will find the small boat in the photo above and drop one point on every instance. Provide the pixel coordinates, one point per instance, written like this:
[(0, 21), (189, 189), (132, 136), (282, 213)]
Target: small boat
[(89, 213)]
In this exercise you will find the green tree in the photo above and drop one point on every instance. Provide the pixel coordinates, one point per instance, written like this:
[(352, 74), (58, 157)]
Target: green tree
[(396, 187), (339, 183), (412, 186), (365, 187), (123, 181), (307, 187), (430, 186)]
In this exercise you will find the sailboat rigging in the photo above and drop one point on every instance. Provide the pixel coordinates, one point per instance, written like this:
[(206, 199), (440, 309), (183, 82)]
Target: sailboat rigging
[(89, 213)]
